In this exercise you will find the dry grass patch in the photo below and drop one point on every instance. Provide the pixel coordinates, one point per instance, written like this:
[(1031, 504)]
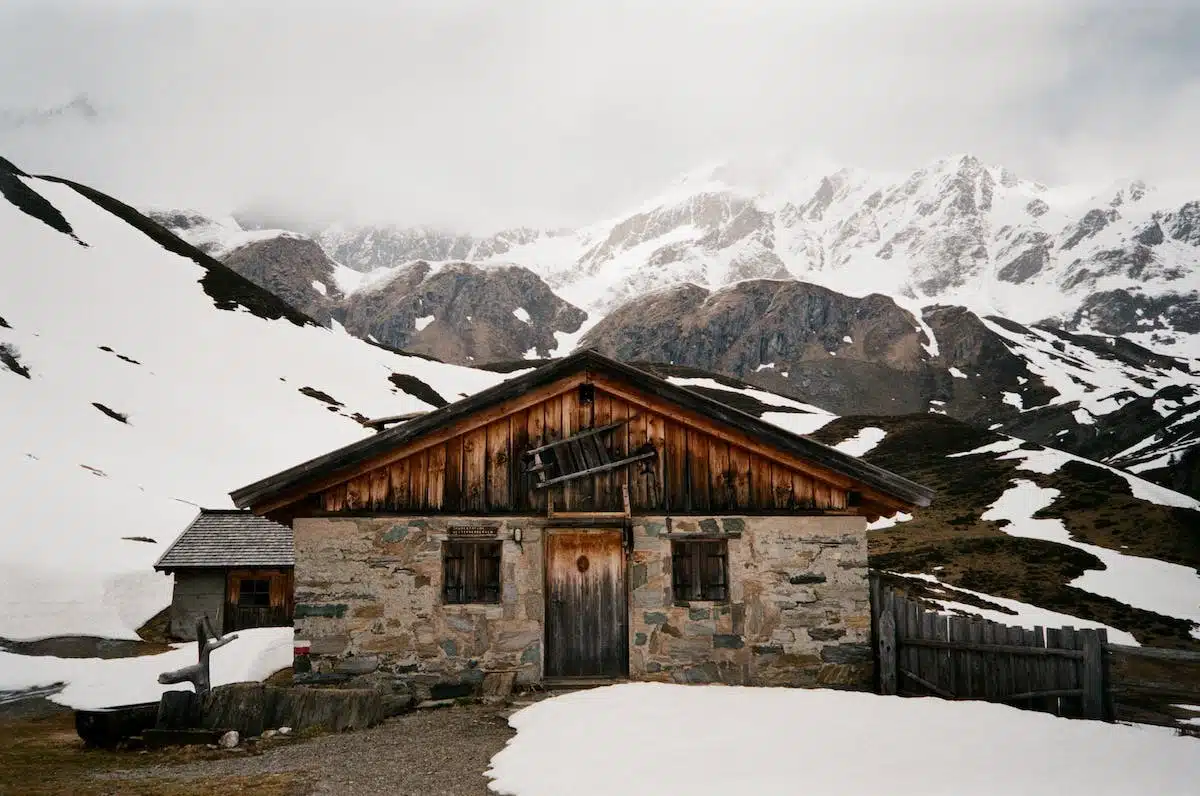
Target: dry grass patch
[(42, 756)]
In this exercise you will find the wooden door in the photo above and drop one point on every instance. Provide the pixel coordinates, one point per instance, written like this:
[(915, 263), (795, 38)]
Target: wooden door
[(586, 613)]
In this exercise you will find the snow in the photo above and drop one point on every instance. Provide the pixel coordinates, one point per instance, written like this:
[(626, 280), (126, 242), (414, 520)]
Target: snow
[(767, 366), (1013, 399), (98, 683), (212, 403), (768, 398), (320, 287), (847, 339), (624, 739), (1049, 460), (958, 374), (1083, 417), (347, 279), (532, 353), (566, 342), (521, 314), (1026, 615), (1195, 720), (1099, 385), (999, 446), (421, 323), (1146, 583), (799, 422), (888, 522), (866, 439)]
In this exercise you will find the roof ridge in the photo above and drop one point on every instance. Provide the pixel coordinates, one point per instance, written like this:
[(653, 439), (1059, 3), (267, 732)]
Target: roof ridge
[(801, 445)]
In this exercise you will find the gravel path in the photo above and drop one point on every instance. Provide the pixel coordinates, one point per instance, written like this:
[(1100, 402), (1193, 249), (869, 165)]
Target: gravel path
[(435, 752)]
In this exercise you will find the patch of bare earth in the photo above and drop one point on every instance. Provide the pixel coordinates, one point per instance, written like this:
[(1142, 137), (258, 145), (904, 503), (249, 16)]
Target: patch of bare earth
[(437, 752)]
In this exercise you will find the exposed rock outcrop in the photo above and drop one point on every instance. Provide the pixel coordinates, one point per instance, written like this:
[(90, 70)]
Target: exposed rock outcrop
[(293, 268), (463, 313)]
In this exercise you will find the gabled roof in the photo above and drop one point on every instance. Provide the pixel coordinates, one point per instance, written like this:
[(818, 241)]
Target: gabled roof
[(296, 478), (229, 538)]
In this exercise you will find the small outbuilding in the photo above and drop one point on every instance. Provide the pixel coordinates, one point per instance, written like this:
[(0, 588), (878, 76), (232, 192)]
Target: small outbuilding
[(233, 567), (584, 520)]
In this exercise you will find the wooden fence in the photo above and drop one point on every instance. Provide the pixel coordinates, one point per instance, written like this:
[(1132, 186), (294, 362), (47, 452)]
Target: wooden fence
[(925, 653)]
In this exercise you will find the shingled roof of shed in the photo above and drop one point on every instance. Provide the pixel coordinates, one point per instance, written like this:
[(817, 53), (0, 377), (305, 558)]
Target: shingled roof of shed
[(229, 538)]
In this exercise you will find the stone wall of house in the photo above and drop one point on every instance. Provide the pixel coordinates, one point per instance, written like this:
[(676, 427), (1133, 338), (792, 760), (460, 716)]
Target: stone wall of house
[(369, 599), (798, 614)]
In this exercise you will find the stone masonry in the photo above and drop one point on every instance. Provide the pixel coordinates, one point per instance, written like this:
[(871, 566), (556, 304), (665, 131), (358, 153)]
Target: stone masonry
[(369, 599), (799, 612)]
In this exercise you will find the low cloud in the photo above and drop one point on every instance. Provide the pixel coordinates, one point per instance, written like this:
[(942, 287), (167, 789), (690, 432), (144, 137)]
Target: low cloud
[(479, 115)]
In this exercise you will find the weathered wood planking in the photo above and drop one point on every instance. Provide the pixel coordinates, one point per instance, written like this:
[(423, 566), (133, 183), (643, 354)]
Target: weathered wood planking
[(484, 470), (924, 653)]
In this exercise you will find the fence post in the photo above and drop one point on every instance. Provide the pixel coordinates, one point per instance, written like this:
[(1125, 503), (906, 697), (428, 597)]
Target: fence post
[(887, 644), (1093, 675), (1110, 710)]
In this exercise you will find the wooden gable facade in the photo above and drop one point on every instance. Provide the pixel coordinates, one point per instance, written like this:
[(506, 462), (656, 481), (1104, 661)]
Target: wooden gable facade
[(483, 469), (690, 455)]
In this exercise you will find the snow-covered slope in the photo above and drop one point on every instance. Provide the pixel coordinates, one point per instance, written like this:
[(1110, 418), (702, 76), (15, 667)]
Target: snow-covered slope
[(139, 384), (1028, 529)]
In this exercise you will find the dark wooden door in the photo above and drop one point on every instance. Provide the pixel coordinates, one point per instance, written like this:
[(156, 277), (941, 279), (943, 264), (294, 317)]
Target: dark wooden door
[(586, 613)]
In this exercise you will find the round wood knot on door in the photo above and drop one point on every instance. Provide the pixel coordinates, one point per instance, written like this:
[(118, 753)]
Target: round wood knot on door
[(582, 563)]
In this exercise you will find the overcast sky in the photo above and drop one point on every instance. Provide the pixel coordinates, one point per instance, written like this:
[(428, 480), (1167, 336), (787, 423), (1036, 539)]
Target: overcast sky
[(484, 114)]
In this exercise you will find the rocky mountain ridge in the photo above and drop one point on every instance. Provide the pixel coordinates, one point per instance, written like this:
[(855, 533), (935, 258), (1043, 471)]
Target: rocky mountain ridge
[(1118, 260), (1104, 397), (1101, 292), (455, 311)]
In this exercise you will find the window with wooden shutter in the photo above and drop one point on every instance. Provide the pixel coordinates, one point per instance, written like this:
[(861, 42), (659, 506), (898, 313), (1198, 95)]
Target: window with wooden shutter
[(699, 569), (471, 572)]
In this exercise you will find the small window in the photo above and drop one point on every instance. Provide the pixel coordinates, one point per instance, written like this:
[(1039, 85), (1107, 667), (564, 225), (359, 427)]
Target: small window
[(471, 572), (254, 593), (699, 570)]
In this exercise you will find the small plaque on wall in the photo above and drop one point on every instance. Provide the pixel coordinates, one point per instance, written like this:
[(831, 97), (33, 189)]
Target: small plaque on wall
[(473, 531)]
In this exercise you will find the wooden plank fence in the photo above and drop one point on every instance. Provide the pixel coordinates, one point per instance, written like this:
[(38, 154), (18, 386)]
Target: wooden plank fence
[(926, 653)]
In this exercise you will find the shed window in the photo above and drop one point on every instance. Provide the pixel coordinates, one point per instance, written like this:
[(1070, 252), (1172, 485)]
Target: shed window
[(471, 572), (699, 569), (254, 592)]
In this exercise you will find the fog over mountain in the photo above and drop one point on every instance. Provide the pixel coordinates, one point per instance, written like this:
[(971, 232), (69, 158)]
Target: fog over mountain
[(483, 116)]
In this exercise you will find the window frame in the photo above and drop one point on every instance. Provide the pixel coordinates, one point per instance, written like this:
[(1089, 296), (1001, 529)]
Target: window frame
[(481, 559), (264, 593), (698, 574)]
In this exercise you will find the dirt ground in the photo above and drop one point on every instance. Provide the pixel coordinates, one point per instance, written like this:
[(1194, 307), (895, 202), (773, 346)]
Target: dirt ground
[(434, 752)]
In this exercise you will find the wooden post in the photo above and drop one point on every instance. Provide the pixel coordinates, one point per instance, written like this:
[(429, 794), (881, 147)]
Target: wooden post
[(1093, 675), (887, 645), (1106, 684)]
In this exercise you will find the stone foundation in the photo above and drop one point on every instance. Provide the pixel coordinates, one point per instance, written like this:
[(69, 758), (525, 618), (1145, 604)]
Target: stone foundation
[(369, 600)]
